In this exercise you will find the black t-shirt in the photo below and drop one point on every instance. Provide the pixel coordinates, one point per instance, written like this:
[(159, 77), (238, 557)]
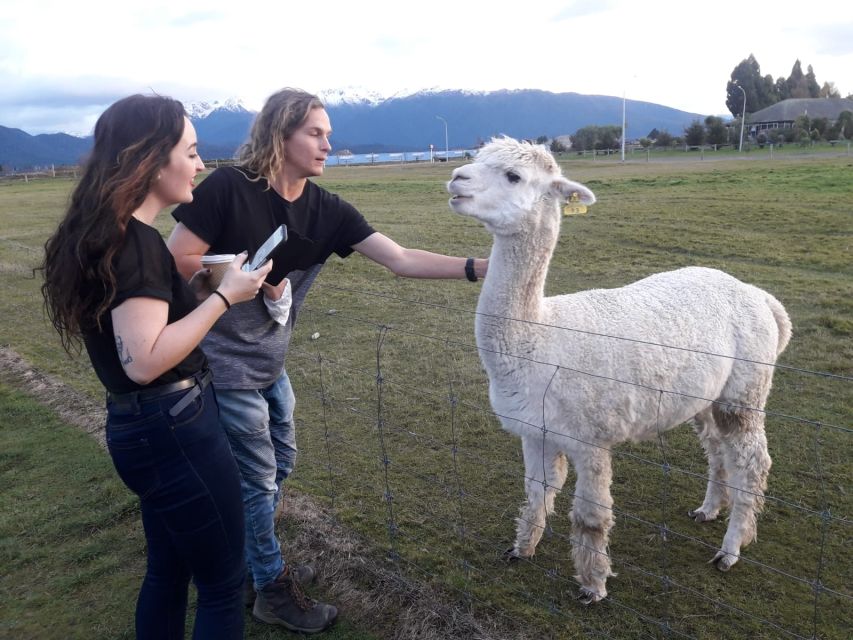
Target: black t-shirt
[(231, 212), (143, 268)]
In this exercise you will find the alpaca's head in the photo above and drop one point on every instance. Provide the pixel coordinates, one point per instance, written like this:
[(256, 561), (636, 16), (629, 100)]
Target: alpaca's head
[(512, 186)]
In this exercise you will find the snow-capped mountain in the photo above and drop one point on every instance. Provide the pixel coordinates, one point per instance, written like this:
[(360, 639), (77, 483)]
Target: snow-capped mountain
[(367, 97), (368, 121), (221, 126), (199, 110), (350, 95), (361, 96)]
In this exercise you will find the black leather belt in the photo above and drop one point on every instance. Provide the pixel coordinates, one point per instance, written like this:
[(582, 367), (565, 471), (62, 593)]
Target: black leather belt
[(197, 383)]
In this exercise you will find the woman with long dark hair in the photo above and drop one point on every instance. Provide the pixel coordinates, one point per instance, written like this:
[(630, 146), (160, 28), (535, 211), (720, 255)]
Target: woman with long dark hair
[(110, 282)]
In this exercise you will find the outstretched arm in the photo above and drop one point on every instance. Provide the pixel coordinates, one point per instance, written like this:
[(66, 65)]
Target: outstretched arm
[(415, 263)]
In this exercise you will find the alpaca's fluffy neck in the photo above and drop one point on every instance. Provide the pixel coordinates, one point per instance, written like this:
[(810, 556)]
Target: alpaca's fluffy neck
[(515, 284)]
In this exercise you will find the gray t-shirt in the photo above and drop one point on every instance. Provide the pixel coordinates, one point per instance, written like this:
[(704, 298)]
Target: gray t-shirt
[(231, 212)]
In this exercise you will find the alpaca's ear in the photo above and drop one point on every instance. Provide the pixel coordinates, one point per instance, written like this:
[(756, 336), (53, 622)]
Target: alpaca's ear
[(573, 191)]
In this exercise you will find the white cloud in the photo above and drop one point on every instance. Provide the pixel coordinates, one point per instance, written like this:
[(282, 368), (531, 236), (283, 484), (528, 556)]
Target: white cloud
[(834, 40), (83, 55), (582, 8)]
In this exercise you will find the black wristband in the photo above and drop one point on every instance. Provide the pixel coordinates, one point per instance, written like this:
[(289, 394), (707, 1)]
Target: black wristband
[(469, 270), (224, 299)]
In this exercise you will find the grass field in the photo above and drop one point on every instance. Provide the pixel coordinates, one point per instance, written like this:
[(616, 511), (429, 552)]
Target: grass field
[(414, 462)]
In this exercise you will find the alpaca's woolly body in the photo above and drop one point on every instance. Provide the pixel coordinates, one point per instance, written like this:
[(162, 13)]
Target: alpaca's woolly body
[(696, 309)]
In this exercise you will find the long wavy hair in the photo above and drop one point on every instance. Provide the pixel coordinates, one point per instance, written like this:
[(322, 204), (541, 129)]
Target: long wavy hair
[(281, 115), (133, 140)]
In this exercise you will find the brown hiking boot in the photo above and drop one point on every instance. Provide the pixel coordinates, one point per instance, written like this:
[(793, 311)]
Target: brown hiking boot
[(304, 574), (284, 603)]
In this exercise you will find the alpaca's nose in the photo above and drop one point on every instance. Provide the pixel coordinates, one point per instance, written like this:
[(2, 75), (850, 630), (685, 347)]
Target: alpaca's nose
[(457, 175)]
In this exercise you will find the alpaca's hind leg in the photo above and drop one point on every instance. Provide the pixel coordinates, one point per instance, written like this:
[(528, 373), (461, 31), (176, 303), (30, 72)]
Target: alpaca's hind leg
[(717, 492), (544, 474), (592, 519), (747, 465)]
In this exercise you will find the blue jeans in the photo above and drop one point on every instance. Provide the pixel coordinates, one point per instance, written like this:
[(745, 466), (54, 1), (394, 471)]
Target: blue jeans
[(182, 469), (259, 424)]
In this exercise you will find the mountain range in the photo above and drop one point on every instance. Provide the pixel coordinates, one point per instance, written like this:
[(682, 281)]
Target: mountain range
[(365, 123)]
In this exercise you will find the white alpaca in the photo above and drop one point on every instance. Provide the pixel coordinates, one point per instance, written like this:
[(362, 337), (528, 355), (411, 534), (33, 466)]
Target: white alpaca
[(571, 394)]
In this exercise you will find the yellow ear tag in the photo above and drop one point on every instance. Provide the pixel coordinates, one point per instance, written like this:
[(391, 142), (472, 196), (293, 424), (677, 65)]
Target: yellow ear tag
[(573, 207)]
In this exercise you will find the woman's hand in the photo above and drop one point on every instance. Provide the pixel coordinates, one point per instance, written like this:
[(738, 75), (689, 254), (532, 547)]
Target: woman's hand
[(148, 345), (238, 285), (200, 284)]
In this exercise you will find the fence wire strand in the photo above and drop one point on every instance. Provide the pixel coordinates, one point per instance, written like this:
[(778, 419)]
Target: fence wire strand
[(423, 522)]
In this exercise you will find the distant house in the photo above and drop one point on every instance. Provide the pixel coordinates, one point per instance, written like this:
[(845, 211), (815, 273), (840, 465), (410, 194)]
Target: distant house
[(784, 114)]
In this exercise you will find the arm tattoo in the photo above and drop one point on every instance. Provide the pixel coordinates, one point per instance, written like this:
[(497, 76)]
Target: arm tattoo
[(124, 359)]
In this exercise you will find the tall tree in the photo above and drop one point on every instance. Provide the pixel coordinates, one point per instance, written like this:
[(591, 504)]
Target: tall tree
[(594, 137), (610, 137), (771, 96), (664, 139), (811, 84), (782, 88), (798, 86), (584, 138), (760, 91), (844, 126), (694, 135), (828, 90), (716, 130)]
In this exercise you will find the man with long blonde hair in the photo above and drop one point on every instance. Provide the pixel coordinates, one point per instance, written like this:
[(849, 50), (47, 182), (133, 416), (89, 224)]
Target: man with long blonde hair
[(239, 207)]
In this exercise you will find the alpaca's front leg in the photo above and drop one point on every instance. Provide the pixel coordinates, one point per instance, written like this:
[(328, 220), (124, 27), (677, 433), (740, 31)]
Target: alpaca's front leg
[(592, 519), (544, 474)]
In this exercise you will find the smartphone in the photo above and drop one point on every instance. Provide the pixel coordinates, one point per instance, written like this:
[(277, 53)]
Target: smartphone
[(263, 254)]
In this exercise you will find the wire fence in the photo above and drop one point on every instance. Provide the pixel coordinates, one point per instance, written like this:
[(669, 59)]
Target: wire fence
[(398, 435)]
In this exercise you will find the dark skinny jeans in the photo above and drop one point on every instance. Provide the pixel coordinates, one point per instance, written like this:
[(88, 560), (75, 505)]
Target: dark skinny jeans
[(183, 471)]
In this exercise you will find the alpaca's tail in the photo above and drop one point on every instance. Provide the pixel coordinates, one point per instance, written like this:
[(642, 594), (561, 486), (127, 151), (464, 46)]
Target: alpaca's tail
[(783, 322)]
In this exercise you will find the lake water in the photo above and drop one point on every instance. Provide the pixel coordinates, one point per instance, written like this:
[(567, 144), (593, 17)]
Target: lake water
[(401, 157)]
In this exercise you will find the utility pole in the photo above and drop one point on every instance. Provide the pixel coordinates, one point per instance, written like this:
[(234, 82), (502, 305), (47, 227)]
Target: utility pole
[(446, 149), (742, 118), (623, 126)]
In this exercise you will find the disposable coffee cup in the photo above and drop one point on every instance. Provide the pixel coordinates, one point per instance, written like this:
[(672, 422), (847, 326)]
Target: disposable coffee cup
[(217, 264)]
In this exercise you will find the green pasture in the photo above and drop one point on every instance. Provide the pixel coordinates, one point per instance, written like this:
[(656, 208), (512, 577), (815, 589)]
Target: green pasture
[(397, 440)]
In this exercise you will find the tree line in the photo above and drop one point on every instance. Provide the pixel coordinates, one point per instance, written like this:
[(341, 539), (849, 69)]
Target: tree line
[(713, 131), (760, 92)]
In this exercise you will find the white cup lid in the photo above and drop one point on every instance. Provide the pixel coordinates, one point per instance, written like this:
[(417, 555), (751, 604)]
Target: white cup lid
[(218, 258)]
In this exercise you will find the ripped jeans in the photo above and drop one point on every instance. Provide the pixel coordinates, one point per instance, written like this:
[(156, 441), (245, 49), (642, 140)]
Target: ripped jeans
[(259, 425)]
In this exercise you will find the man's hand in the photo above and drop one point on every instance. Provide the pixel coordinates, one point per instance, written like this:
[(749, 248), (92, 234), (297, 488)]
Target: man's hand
[(274, 293), (278, 300)]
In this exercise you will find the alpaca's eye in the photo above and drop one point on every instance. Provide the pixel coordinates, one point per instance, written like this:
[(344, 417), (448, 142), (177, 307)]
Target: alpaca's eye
[(512, 176)]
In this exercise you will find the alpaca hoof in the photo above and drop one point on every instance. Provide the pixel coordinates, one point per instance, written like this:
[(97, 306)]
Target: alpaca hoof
[(510, 555), (724, 561), (698, 516), (588, 596)]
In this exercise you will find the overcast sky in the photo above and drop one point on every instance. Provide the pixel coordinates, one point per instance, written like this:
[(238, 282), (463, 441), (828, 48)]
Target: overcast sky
[(63, 62)]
